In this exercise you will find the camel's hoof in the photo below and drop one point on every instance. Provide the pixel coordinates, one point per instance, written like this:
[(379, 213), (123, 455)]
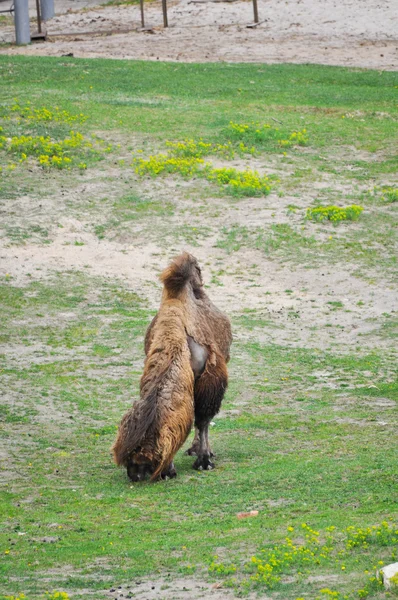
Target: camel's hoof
[(192, 451), (203, 463), (169, 473)]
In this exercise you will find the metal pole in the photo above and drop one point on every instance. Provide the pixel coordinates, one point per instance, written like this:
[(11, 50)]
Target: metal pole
[(38, 16), (164, 7), (255, 10), (21, 20), (47, 9), (142, 13)]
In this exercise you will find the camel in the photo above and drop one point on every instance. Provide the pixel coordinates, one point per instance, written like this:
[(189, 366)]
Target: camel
[(184, 380)]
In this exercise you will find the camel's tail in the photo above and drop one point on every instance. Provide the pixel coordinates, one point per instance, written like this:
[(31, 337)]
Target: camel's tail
[(178, 273)]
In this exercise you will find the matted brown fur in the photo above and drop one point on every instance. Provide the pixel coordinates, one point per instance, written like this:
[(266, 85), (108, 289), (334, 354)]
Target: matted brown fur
[(157, 424), (211, 329)]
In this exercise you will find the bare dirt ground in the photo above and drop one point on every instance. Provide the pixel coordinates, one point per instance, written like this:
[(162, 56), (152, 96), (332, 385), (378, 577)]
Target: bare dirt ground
[(242, 280), (333, 32)]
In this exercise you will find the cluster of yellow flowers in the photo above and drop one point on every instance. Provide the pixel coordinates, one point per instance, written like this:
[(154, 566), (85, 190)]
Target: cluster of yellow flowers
[(237, 183), (257, 133), (60, 154), (265, 573), (335, 214), (328, 593), (275, 561), (54, 161), (240, 183), (49, 152), (26, 111), (313, 548), (240, 128), (381, 535), (163, 163), (49, 596), (191, 148), (297, 138), (186, 158), (218, 568), (394, 581)]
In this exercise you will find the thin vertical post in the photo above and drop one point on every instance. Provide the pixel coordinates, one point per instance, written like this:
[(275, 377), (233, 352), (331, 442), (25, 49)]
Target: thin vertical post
[(142, 13), (164, 7), (255, 10), (21, 20), (38, 16), (47, 9)]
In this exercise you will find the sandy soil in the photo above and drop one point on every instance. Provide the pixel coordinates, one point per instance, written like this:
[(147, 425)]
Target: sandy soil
[(249, 280), (334, 32), (173, 589)]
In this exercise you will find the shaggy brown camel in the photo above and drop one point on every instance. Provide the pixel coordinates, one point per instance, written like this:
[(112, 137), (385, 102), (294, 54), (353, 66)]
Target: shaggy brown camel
[(185, 377)]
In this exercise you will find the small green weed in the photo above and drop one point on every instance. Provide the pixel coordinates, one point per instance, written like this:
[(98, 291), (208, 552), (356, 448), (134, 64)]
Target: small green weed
[(220, 569), (335, 304), (335, 214), (390, 194), (394, 582)]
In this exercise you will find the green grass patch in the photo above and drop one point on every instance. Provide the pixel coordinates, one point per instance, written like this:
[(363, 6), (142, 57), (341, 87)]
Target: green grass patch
[(295, 464), (305, 436)]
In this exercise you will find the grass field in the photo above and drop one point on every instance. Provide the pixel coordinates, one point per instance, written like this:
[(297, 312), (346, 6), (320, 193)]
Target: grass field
[(308, 432)]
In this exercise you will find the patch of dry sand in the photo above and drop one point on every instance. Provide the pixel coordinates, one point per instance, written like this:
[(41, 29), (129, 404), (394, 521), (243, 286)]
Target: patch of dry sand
[(333, 32), (249, 280)]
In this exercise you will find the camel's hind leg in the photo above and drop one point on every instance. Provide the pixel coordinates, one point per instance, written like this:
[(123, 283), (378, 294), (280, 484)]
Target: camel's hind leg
[(194, 449), (209, 392), (203, 462)]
